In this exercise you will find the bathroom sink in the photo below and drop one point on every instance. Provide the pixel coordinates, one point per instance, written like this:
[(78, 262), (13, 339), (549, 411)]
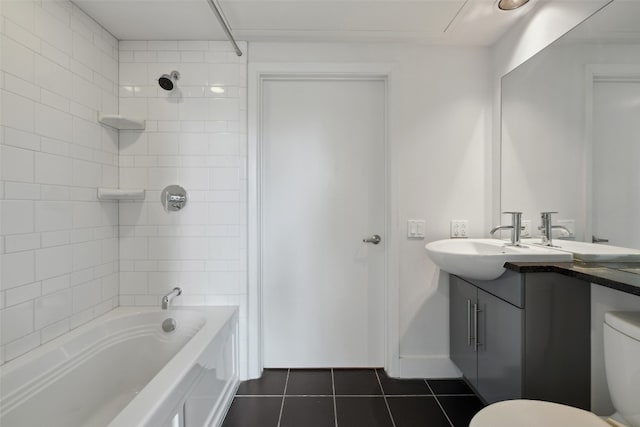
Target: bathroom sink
[(483, 259), (593, 252)]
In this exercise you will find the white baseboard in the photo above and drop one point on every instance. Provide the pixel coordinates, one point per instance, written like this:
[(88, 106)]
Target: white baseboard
[(428, 367)]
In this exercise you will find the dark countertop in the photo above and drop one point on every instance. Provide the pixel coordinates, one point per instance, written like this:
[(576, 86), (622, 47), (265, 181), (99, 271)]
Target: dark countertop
[(623, 277)]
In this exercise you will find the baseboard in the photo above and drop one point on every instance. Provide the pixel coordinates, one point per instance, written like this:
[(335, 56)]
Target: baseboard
[(428, 367)]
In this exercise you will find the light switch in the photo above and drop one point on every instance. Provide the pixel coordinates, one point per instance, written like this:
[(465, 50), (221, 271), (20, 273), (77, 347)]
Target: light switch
[(415, 228)]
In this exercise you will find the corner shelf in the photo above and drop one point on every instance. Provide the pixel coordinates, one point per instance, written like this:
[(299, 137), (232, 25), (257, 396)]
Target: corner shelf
[(119, 122), (120, 194)]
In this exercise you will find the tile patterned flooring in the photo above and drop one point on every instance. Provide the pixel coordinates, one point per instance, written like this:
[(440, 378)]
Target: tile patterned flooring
[(350, 398)]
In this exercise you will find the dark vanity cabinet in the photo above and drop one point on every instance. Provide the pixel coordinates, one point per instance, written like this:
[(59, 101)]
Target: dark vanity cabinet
[(523, 336)]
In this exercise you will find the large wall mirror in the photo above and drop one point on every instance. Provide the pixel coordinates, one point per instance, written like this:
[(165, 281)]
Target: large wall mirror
[(571, 130)]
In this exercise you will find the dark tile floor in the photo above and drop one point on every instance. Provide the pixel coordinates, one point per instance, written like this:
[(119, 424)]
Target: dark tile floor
[(350, 398)]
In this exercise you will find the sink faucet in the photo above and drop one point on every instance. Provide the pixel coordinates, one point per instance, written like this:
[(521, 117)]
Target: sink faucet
[(547, 229), (166, 300), (515, 227)]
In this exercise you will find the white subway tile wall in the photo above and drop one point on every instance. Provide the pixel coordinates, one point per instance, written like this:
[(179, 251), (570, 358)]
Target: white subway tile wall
[(59, 248), (195, 137)]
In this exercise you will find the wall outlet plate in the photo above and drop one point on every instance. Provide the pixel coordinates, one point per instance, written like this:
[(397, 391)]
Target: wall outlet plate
[(526, 231), (459, 228)]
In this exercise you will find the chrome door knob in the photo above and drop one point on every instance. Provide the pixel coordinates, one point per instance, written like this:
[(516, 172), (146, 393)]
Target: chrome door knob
[(375, 239)]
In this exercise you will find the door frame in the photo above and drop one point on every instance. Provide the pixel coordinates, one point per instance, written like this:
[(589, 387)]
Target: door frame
[(257, 74), (593, 74)]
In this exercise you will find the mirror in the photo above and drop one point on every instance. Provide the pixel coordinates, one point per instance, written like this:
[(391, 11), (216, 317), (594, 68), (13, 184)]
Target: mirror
[(571, 131)]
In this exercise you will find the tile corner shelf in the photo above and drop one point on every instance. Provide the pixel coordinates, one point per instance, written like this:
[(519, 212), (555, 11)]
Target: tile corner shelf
[(121, 123), (120, 194)]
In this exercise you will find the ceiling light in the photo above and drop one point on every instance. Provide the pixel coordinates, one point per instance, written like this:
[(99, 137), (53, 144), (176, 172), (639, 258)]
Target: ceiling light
[(511, 4), (216, 89)]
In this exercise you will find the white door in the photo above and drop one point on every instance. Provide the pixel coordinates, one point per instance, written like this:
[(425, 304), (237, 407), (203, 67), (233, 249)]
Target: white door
[(616, 156), (323, 181)]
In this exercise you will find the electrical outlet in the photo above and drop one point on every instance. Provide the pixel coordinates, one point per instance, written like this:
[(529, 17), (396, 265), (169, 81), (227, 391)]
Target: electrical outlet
[(459, 228), (526, 230)]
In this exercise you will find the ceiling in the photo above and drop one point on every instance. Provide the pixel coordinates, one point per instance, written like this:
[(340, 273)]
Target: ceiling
[(460, 22)]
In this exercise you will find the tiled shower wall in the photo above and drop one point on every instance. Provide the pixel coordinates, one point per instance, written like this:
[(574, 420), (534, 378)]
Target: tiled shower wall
[(195, 137), (58, 243)]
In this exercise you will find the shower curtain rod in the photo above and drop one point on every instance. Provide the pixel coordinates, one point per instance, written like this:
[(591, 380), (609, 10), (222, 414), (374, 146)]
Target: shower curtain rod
[(225, 27)]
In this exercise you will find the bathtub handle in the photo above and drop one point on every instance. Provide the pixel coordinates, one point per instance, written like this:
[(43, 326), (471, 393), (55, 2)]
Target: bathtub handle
[(174, 198)]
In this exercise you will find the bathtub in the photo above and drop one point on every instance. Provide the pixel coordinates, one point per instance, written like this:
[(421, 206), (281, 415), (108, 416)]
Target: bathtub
[(124, 370)]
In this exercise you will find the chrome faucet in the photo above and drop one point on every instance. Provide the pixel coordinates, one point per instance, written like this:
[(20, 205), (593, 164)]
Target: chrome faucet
[(515, 227), (547, 229), (166, 300)]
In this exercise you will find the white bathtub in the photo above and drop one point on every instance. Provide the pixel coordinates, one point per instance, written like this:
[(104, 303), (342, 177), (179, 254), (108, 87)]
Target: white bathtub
[(123, 370)]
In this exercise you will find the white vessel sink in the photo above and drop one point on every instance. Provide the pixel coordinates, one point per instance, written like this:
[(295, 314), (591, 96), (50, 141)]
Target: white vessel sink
[(483, 259), (594, 252)]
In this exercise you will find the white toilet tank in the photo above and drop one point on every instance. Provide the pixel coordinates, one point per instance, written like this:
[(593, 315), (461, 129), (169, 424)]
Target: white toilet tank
[(622, 363)]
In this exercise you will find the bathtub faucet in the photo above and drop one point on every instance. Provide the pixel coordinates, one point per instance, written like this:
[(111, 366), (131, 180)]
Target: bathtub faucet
[(166, 300)]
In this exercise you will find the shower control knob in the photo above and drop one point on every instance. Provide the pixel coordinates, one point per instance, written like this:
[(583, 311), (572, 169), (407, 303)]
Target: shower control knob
[(375, 239), (174, 198)]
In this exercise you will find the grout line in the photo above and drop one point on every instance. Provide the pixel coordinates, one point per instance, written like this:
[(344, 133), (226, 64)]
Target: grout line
[(384, 396), (309, 395), (408, 395), (363, 395), (284, 393), (438, 402), (274, 395), (454, 394), (335, 407)]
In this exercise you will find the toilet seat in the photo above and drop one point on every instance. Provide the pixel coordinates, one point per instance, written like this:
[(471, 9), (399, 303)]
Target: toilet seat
[(534, 413)]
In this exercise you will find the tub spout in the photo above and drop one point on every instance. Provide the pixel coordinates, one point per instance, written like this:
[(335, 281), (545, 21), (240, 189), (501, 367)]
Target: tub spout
[(166, 300)]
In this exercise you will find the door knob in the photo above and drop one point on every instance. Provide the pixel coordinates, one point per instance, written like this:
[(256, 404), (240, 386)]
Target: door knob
[(375, 239)]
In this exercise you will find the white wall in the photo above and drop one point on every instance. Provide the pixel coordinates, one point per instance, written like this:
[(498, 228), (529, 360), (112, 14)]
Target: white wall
[(59, 244), (195, 138), (439, 126)]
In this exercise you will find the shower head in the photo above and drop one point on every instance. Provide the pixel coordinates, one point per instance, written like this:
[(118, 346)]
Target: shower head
[(168, 81)]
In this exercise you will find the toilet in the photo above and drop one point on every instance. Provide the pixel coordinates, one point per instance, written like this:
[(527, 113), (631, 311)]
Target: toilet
[(622, 364)]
